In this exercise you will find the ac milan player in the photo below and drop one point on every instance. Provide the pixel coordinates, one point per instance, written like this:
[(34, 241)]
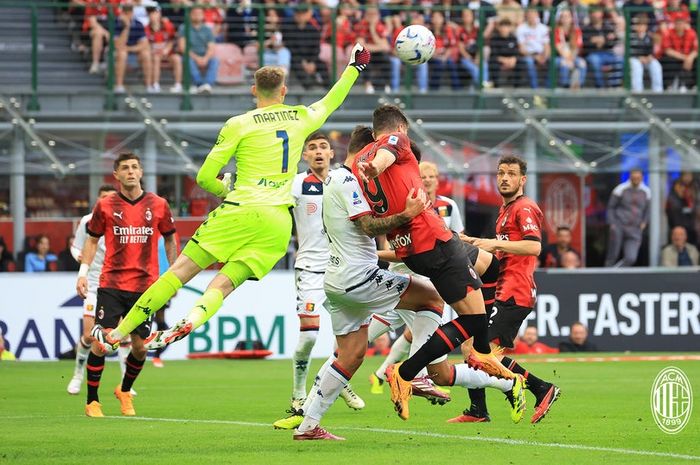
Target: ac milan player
[(130, 221), (517, 246), (389, 170)]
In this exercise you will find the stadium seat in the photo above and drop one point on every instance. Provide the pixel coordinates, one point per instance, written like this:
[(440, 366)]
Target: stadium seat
[(250, 56), (230, 64)]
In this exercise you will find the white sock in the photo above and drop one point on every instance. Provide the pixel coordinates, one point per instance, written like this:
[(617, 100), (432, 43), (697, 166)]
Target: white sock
[(376, 328), (317, 380), (300, 362), (329, 388), (398, 352), (124, 351), (470, 378), (81, 355)]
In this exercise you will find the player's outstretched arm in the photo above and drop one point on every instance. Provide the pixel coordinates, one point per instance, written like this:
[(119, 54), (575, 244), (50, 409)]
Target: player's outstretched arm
[(415, 204), (321, 110)]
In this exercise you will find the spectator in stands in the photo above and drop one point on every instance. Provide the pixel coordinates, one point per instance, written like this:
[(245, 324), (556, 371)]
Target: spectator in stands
[(692, 195), (599, 38), (141, 10), (511, 10), (642, 57), (130, 37), (579, 12), (552, 254), (344, 33), (420, 72), (528, 344), (275, 54), (7, 263), (214, 18), (578, 340), (674, 9), (174, 10), (680, 210), (636, 9), (503, 60), (544, 10), (96, 22), (628, 216), (568, 41), (303, 38), (533, 43), (162, 35), (242, 22), (201, 55), (570, 260), (467, 36), (66, 262), (680, 50), (42, 259), (445, 56), (372, 33), (679, 252)]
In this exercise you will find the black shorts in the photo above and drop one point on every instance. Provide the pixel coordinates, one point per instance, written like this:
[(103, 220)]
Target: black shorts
[(449, 269), (472, 252), (113, 304), (505, 321)]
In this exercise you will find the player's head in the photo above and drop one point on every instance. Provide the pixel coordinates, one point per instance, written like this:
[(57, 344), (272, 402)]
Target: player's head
[(318, 151), (429, 174), (360, 137), (511, 176), (105, 190), (530, 335), (127, 170), (269, 84), (387, 119)]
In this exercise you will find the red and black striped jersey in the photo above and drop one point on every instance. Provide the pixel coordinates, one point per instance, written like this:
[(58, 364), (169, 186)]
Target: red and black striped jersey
[(519, 220), (131, 229)]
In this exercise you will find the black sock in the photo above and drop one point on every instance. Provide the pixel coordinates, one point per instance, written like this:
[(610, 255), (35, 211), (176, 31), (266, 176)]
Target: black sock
[(133, 368), (443, 341), (95, 366), (533, 382), (489, 280), (478, 398)]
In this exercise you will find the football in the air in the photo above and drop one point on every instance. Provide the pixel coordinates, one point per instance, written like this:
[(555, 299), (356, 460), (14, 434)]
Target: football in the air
[(415, 44)]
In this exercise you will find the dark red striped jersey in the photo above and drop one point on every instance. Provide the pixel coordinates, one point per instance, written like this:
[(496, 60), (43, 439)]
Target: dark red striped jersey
[(387, 194), (131, 229), (520, 220)]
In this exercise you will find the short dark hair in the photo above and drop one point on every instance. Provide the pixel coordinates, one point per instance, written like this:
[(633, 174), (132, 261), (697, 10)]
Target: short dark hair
[(315, 136), (106, 188), (387, 118), (360, 137), (415, 148), (563, 228), (125, 156), (513, 160)]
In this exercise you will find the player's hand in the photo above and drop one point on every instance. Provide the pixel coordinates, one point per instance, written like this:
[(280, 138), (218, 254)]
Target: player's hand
[(359, 57), (226, 180), (416, 203), (489, 245), (367, 171), (82, 287)]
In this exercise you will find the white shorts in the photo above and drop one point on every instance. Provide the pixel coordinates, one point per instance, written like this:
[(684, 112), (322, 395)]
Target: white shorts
[(90, 302), (379, 293), (310, 298)]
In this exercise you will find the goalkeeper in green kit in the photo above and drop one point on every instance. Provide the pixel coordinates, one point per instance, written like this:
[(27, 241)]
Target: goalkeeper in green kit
[(250, 230)]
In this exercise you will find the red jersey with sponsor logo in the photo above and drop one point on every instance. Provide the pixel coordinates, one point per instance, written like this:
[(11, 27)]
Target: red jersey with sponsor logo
[(387, 194), (131, 229), (520, 220)]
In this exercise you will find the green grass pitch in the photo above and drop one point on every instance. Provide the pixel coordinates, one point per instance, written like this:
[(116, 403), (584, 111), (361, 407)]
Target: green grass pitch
[(215, 412)]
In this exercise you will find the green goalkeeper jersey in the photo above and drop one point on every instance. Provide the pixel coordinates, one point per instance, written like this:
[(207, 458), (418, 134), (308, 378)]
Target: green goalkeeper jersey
[(267, 144)]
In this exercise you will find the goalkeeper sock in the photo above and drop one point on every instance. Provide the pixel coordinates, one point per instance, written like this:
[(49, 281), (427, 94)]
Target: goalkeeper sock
[(150, 301), (205, 307)]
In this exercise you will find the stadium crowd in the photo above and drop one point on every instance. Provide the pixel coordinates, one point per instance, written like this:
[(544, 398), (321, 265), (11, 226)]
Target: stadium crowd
[(583, 39)]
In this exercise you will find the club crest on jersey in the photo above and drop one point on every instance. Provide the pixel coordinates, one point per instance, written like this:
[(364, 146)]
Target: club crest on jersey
[(393, 140), (149, 215), (356, 198), (472, 272), (310, 306), (89, 307), (101, 313)]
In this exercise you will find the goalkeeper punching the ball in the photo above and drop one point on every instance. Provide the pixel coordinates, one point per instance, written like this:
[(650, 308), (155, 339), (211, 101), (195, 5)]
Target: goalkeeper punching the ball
[(250, 230)]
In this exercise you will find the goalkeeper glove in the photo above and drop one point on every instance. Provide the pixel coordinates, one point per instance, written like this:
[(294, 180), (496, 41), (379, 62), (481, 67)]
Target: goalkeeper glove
[(359, 57)]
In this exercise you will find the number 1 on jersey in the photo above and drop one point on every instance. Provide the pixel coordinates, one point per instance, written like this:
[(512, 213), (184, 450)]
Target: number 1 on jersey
[(285, 149)]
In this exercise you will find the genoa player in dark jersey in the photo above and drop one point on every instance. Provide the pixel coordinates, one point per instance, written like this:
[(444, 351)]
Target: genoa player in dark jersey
[(389, 170), (517, 246), (131, 221)]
